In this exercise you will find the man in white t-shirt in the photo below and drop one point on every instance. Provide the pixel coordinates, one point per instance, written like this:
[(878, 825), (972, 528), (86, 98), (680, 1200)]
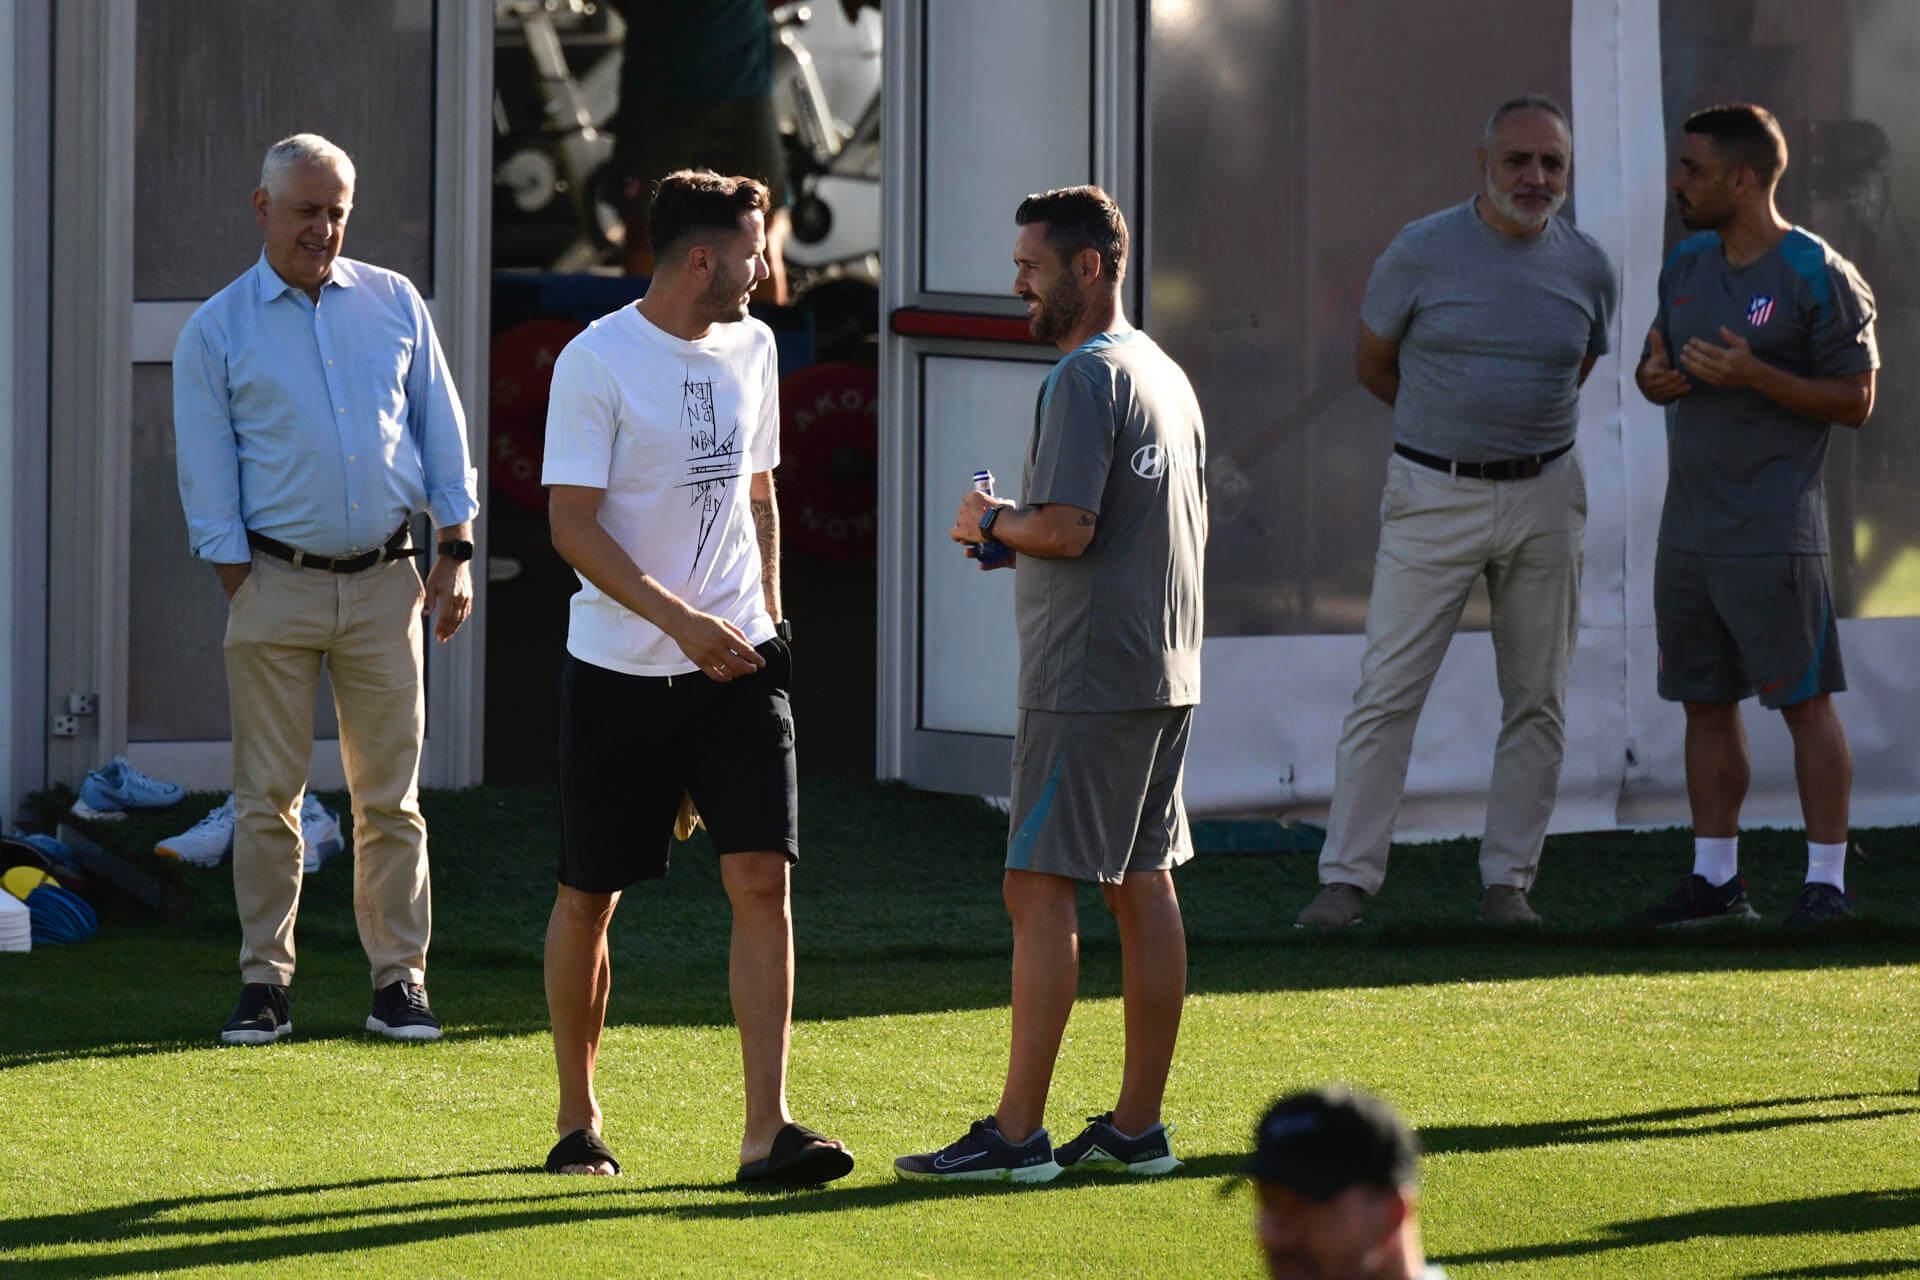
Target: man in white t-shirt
[(663, 431)]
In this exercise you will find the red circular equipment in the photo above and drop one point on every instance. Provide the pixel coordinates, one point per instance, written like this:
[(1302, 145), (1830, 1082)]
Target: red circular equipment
[(829, 460), (522, 372)]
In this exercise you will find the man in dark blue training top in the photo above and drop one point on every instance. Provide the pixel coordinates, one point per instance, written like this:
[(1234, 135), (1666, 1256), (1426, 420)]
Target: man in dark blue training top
[(1763, 340)]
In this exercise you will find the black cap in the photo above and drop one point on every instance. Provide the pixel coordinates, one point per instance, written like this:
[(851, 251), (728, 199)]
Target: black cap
[(1319, 1143)]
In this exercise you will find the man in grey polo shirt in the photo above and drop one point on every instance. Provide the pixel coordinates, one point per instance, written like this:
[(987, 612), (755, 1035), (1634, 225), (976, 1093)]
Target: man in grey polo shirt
[(1479, 325), (1773, 335), (1107, 593)]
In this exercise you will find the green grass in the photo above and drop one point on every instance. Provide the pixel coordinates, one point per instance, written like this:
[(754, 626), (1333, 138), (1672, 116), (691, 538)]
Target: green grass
[(1593, 1103)]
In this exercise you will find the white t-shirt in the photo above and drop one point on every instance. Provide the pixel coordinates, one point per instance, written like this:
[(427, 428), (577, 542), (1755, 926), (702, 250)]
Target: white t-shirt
[(673, 431)]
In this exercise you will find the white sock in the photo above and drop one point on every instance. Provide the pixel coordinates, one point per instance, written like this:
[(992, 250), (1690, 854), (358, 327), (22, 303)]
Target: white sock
[(1827, 864), (1716, 859)]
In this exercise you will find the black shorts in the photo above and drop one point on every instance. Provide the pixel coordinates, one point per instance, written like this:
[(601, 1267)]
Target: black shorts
[(632, 746)]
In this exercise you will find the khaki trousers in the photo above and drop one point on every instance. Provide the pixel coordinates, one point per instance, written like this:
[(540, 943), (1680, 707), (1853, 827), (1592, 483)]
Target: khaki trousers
[(1438, 533), (280, 624)]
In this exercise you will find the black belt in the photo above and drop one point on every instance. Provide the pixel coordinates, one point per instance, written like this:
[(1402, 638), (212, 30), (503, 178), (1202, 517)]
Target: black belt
[(1510, 469), (394, 548)]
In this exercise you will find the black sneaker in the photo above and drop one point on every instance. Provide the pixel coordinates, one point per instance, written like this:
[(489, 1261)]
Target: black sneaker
[(1820, 903), (400, 1012), (264, 1014), (1101, 1143), (1697, 902), (984, 1155)]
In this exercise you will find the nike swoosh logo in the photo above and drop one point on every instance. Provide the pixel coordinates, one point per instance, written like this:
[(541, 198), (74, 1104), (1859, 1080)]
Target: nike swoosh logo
[(1683, 300), (1769, 688), (941, 1162)]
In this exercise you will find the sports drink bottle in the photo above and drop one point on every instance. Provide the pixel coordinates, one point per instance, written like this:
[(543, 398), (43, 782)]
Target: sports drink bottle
[(990, 554)]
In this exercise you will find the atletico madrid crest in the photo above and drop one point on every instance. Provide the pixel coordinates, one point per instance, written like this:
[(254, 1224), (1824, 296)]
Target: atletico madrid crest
[(1760, 310)]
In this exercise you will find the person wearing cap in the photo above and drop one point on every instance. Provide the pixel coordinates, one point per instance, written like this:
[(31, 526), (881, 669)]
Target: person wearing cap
[(1337, 1173)]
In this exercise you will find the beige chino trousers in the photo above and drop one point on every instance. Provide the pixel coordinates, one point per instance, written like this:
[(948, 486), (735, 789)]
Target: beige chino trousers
[(1438, 533), (280, 624)]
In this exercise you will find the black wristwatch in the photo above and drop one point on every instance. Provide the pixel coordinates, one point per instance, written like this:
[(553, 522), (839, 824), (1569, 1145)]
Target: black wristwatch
[(986, 522), (784, 630), (456, 549)]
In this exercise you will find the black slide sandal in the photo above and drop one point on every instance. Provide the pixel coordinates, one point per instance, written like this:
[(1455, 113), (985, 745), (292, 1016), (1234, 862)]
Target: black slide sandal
[(800, 1158), (582, 1146)]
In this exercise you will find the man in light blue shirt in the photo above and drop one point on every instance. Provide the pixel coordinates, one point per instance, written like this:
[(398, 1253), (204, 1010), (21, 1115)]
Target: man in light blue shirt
[(313, 416)]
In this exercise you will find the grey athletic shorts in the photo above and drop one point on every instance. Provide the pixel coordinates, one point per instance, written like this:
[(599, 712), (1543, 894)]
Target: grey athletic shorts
[(1097, 794), (1733, 626)]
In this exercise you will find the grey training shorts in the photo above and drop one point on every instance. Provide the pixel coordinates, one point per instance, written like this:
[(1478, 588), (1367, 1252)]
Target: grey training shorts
[(1733, 626), (1097, 794)]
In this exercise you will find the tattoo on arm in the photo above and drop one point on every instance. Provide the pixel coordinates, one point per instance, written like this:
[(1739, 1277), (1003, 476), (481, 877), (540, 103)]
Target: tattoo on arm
[(766, 527)]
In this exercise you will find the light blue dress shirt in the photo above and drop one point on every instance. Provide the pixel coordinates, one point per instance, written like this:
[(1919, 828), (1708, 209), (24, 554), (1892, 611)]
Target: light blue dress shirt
[(321, 425)]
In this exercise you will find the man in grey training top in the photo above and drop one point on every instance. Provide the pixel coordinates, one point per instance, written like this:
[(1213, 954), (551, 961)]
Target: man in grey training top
[(1479, 325), (1772, 333), (1107, 594)]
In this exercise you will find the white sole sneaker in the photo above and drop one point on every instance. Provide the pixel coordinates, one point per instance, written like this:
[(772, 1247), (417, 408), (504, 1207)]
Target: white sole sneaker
[(1031, 1173), (256, 1037), (164, 850), (86, 813), (402, 1033)]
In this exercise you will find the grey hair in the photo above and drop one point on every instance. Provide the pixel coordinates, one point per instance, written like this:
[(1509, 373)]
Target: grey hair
[(299, 149), (1525, 102)]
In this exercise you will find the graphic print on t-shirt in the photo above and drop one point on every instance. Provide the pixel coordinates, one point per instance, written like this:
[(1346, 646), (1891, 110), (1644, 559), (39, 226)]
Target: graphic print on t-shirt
[(715, 461)]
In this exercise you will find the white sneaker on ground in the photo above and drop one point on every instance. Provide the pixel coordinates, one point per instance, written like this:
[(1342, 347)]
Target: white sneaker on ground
[(320, 833), (206, 843)]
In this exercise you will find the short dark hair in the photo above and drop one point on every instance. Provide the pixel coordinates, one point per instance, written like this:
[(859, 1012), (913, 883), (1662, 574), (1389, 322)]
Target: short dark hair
[(1744, 136), (1080, 218), (1526, 102), (688, 202)]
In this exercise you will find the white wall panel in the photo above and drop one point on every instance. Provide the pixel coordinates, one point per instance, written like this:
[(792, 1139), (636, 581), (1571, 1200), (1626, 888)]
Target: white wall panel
[(1008, 106), (979, 414)]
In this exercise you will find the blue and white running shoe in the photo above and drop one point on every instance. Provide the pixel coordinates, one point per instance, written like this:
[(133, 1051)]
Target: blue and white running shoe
[(1102, 1144), (320, 833), (982, 1156), (109, 792), (206, 843)]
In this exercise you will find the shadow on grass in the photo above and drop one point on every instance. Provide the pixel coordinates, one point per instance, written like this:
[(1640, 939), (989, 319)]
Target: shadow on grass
[(154, 992), (1869, 1267), (1739, 1117), (557, 1201), (897, 911), (1855, 1213)]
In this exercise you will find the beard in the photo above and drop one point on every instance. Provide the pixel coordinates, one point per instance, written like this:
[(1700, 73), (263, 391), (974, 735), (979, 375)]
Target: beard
[(722, 303), (1503, 202), (1059, 311), (1703, 217)]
